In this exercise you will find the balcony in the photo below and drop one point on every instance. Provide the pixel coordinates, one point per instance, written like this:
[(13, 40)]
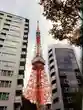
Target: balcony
[(53, 78), (25, 41), (19, 87), (18, 99), (51, 58), (54, 86), (22, 60), (50, 52), (20, 76), (51, 64), (24, 46), (52, 70), (23, 53), (6, 26), (21, 68)]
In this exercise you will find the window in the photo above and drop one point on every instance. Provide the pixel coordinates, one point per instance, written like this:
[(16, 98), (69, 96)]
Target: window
[(1, 14), (24, 43), (22, 63), (3, 33), (23, 56), (51, 61), (9, 85), (3, 108), (51, 67), (17, 106), (25, 38), (24, 49), (20, 81), (5, 83), (26, 25), (53, 73), (1, 83), (54, 90), (9, 16), (53, 82), (18, 92), (25, 28), (50, 55), (8, 20), (21, 72), (26, 20), (25, 33), (6, 73), (56, 100), (4, 96), (6, 24), (49, 50), (1, 39), (6, 29), (1, 45)]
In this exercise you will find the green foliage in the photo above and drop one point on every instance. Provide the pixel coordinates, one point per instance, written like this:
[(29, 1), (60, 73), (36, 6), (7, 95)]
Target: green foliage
[(67, 13)]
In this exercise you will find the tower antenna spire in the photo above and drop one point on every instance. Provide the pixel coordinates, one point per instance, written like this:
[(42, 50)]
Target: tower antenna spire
[(38, 42), (37, 25)]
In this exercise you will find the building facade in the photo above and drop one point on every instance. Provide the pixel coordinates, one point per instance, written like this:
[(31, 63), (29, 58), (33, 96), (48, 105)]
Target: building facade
[(65, 76), (13, 50)]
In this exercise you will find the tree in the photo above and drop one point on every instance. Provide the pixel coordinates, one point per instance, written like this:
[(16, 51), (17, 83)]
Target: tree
[(66, 18)]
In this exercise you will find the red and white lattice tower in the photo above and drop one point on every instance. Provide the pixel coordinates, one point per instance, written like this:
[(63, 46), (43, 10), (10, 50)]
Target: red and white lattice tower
[(38, 87)]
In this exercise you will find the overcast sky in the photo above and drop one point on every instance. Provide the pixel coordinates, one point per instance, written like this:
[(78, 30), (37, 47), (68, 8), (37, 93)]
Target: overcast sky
[(30, 9)]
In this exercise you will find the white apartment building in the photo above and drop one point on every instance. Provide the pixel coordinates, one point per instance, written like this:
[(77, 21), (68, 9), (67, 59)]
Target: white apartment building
[(13, 50), (65, 76)]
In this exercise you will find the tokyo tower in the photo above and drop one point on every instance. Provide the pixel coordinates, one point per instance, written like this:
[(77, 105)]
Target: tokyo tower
[(38, 87)]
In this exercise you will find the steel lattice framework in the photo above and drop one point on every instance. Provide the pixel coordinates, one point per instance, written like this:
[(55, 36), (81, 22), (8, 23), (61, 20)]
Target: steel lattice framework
[(38, 87)]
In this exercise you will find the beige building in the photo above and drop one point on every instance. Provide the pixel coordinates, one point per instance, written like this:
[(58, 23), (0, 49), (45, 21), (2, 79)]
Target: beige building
[(13, 49)]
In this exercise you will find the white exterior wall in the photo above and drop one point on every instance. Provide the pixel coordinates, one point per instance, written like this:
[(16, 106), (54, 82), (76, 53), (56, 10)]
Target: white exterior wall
[(17, 36)]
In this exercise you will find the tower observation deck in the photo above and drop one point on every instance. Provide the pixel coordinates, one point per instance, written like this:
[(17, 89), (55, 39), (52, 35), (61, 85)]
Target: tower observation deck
[(38, 87)]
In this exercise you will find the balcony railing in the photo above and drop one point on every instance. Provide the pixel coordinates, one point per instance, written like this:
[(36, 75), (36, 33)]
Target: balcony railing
[(22, 59), (18, 99), (20, 76), (19, 87), (21, 68)]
